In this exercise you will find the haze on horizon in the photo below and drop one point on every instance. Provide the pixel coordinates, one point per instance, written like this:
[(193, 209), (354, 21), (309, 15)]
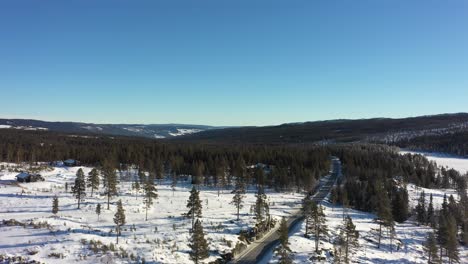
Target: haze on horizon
[(231, 63)]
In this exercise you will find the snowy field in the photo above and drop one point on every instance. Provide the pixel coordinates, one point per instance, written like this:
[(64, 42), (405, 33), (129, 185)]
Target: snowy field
[(407, 247), (409, 234), (450, 161), (162, 239)]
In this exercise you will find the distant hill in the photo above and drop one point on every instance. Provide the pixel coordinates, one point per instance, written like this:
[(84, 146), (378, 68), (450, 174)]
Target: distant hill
[(381, 130), (134, 130), (377, 130)]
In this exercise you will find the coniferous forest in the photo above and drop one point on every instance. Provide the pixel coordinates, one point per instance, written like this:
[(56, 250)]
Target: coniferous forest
[(375, 176)]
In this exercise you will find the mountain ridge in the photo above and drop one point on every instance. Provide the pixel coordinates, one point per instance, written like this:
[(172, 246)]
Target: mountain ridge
[(157, 131), (380, 129)]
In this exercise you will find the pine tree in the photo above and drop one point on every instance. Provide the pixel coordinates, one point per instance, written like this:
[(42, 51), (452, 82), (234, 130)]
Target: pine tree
[(221, 176), (240, 169), (93, 180), (150, 194), (119, 219), (307, 210), (198, 243), (238, 198), (430, 213), (442, 232), (198, 169), (141, 176), (400, 205), (136, 187), (174, 182), (349, 236), (421, 215), (259, 176), (464, 215), (444, 208), (442, 229), (98, 210), (283, 251), (430, 247), (384, 213), (451, 245), (344, 202), (159, 170), (80, 187), (318, 226), (110, 182), (262, 210), (194, 205), (55, 205)]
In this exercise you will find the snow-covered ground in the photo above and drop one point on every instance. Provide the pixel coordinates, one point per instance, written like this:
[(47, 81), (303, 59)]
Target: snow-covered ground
[(453, 162), (22, 127), (407, 247), (184, 131), (408, 233), (162, 239)]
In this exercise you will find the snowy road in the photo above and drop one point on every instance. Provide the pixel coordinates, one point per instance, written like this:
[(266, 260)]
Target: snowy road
[(259, 251)]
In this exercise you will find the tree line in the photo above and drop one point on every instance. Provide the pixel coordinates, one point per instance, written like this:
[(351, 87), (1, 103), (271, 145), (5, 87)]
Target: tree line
[(210, 164)]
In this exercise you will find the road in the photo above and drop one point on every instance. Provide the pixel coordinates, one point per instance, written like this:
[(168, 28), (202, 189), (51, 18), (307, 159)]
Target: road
[(258, 249)]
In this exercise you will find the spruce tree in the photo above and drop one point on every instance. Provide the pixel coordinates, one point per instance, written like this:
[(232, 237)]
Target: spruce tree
[(349, 236), (262, 210), (80, 187), (307, 210), (119, 219), (384, 213), (442, 229), (159, 170), (198, 243), (221, 176), (194, 205), (238, 198), (283, 251), (198, 169), (136, 187), (400, 205), (55, 205), (318, 226), (110, 182), (430, 213), (430, 247), (174, 183), (98, 210), (150, 194), (464, 215), (451, 245), (93, 180), (442, 232), (421, 215)]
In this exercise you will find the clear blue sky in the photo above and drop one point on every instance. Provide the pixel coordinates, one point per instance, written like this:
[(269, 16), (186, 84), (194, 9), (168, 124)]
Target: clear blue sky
[(231, 62)]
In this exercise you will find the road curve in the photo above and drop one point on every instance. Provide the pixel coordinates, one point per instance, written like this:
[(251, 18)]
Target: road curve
[(256, 251)]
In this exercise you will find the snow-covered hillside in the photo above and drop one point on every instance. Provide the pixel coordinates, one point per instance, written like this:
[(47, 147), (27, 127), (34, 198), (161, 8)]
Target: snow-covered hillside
[(31, 128), (161, 239), (155, 131)]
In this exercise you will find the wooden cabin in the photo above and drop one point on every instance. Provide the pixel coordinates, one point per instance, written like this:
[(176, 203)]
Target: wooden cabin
[(29, 177)]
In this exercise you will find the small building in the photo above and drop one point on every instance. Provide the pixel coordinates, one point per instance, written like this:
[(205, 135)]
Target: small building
[(71, 163), (29, 177), (265, 167), (57, 163)]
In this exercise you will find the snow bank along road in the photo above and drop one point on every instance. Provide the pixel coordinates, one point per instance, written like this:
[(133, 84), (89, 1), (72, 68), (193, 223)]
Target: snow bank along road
[(255, 252)]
